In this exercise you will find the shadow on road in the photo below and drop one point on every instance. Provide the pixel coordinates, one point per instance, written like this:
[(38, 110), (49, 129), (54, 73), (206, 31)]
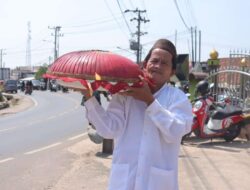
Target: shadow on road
[(219, 144), (103, 155)]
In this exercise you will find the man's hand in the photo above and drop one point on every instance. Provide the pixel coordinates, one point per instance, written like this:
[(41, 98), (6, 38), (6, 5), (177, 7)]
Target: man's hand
[(87, 94), (142, 93)]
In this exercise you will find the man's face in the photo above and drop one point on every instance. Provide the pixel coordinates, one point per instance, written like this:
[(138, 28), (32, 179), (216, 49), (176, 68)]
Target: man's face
[(159, 67)]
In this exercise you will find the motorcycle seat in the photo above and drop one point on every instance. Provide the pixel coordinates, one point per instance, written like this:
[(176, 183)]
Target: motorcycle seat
[(220, 114)]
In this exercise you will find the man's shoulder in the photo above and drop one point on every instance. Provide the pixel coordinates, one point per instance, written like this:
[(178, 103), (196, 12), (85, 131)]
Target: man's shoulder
[(172, 91), (171, 88)]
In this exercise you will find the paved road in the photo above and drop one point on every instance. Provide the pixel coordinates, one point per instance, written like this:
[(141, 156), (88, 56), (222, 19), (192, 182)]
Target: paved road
[(215, 165), (55, 117), (33, 143)]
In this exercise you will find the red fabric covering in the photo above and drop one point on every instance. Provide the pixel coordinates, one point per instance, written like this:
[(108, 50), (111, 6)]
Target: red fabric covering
[(49, 76), (96, 69), (95, 85), (86, 64)]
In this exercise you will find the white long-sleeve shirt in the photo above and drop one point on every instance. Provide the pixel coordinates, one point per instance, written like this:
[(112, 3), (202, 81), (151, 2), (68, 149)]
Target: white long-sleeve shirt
[(147, 138)]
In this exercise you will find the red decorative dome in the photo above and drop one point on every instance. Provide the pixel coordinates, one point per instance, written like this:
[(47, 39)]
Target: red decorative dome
[(91, 64), (99, 68)]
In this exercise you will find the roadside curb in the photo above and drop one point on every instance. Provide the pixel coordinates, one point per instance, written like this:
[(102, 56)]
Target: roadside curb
[(18, 104)]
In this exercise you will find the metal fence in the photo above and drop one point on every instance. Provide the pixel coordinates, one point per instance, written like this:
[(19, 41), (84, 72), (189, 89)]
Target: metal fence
[(233, 81)]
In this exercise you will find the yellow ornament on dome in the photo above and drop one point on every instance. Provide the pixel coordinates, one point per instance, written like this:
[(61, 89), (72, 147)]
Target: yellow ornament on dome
[(213, 61), (243, 62), (98, 77), (214, 54)]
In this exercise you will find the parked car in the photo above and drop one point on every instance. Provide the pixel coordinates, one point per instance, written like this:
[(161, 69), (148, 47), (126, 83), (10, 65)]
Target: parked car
[(10, 86), (36, 84)]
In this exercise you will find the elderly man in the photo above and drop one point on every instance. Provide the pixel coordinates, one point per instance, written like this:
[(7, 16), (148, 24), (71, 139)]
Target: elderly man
[(147, 125)]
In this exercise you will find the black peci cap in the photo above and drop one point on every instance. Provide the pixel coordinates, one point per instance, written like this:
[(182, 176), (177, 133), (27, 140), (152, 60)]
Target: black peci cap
[(165, 45)]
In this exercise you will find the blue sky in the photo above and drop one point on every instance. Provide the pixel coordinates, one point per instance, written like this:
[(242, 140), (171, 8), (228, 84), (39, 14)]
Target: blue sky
[(99, 24)]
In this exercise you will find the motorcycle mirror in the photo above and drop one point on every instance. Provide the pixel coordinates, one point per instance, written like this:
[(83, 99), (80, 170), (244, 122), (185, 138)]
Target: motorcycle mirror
[(211, 85)]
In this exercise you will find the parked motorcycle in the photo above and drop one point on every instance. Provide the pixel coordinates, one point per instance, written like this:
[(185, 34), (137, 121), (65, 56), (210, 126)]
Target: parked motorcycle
[(65, 89), (212, 120), (53, 86), (22, 86)]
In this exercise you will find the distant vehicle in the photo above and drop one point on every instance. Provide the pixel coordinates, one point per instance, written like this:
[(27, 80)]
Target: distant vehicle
[(36, 84), (42, 84), (1, 86), (53, 86), (18, 85), (21, 85), (10, 86)]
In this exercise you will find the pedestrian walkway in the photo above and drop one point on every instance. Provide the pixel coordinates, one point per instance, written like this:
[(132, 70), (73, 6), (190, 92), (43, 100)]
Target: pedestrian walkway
[(89, 171), (202, 166)]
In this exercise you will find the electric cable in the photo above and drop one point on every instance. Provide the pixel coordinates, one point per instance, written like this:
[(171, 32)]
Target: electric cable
[(179, 12), (94, 22), (124, 17), (92, 30), (115, 18), (191, 11)]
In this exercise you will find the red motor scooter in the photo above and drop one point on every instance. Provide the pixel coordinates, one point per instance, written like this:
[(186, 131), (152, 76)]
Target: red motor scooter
[(211, 120)]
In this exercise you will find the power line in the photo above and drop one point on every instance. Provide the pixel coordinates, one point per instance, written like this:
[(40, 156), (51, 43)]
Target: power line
[(144, 7), (24, 51), (92, 31), (95, 22), (132, 5), (114, 17), (190, 7), (179, 12), (184, 32), (123, 16)]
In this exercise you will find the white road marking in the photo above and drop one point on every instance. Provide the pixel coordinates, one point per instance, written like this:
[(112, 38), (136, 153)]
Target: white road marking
[(51, 117), (35, 102), (77, 137), (6, 160), (43, 148), (7, 129)]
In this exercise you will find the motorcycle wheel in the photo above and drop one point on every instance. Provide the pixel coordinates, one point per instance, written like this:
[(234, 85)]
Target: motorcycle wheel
[(196, 132), (232, 133), (185, 136)]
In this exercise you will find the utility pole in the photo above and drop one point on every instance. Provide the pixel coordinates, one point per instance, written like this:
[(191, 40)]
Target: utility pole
[(199, 46), (195, 45), (192, 46), (28, 47), (175, 40), (138, 33), (1, 63), (56, 34)]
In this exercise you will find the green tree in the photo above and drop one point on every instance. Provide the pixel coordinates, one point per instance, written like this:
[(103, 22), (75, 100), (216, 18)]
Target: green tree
[(42, 70)]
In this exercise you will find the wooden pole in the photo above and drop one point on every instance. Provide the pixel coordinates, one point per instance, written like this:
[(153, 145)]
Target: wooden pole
[(107, 146)]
